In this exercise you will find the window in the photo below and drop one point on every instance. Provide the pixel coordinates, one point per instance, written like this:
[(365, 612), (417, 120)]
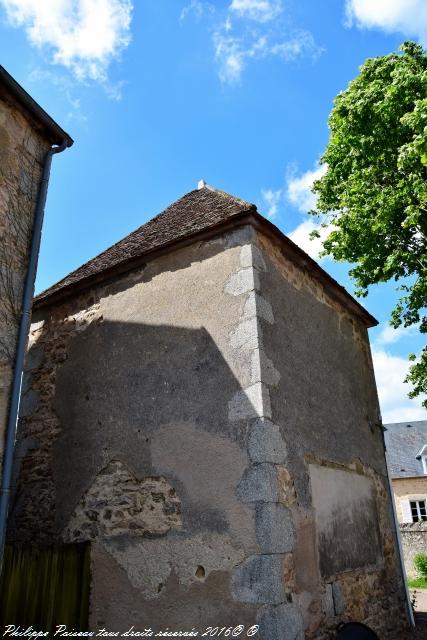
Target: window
[(418, 510)]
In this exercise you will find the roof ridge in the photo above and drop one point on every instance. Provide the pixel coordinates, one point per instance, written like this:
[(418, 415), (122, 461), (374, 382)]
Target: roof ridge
[(227, 195)]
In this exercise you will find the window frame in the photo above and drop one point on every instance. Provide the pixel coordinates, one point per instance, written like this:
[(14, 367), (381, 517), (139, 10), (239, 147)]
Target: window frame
[(418, 515)]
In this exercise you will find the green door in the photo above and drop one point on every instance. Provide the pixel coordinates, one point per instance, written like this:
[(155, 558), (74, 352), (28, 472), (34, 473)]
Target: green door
[(45, 587)]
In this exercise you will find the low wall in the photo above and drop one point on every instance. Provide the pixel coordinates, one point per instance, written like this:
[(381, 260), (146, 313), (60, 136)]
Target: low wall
[(414, 540)]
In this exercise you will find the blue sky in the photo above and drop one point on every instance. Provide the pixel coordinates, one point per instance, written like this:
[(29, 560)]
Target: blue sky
[(161, 93)]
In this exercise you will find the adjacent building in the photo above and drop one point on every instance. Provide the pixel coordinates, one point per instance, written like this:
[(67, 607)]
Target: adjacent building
[(406, 445), (27, 133), (200, 415)]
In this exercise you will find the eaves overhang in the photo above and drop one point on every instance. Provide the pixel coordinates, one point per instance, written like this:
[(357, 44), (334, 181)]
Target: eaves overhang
[(52, 130), (250, 217), (420, 477)]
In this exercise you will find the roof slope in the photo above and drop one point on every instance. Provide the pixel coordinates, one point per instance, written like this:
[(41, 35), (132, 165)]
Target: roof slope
[(404, 441), (203, 211), (196, 211)]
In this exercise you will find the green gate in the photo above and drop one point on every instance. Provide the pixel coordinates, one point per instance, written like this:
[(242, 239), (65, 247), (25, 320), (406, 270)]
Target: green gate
[(45, 587)]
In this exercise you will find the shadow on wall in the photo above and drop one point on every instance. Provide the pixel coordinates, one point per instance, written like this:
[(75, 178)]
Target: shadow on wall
[(122, 385)]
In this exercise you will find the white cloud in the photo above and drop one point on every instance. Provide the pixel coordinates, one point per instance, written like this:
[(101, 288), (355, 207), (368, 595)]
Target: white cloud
[(65, 84), (258, 10), (300, 44), (254, 30), (82, 35), (233, 52), (389, 335), (390, 371), (301, 237), (229, 55), (272, 199), (299, 189), (196, 7), (405, 16)]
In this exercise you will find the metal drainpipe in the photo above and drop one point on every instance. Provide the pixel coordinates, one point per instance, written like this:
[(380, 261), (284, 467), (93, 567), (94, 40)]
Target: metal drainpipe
[(409, 609), (398, 539), (24, 327)]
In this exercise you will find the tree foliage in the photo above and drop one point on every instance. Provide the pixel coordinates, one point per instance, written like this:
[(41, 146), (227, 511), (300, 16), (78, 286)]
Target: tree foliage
[(374, 192)]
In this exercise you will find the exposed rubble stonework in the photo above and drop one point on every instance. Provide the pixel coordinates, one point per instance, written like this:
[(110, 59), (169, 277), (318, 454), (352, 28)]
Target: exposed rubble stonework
[(33, 453), (209, 421), (118, 504), (414, 540), (22, 151)]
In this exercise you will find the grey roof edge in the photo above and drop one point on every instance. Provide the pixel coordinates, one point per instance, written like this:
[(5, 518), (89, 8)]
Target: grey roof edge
[(408, 477), (57, 133), (250, 216), (404, 423)]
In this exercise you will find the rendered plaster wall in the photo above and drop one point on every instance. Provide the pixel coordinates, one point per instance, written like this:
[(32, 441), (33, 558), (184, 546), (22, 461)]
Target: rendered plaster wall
[(22, 150), (331, 476), (133, 435), (406, 489), (185, 419)]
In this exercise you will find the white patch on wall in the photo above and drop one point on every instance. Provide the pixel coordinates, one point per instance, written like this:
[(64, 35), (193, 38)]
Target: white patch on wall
[(346, 519), (149, 563)]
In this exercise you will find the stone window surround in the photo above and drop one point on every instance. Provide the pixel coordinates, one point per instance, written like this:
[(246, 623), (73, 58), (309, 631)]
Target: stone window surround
[(418, 507)]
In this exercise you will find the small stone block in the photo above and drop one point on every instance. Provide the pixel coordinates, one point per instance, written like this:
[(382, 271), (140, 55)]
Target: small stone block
[(283, 622), (259, 579), (259, 484), (337, 594), (328, 601), (274, 528), (266, 444)]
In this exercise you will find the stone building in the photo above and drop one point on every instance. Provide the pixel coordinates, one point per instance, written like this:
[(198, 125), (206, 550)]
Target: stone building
[(200, 409), (406, 447), (27, 133)]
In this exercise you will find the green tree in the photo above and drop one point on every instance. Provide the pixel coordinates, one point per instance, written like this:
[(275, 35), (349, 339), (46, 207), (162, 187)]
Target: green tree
[(373, 195)]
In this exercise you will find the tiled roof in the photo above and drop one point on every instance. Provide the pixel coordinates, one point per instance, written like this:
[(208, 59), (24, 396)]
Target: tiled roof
[(203, 210), (404, 441), (196, 211)]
